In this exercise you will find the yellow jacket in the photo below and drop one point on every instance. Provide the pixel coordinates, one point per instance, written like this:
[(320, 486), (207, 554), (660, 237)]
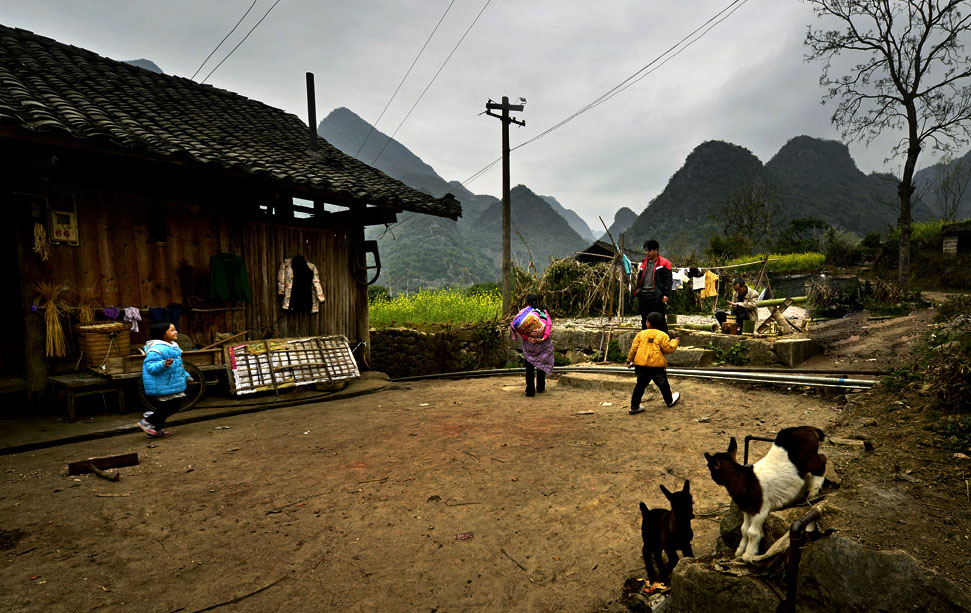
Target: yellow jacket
[(649, 347)]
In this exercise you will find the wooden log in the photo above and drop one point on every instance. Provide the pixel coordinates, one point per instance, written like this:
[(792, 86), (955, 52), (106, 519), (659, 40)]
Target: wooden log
[(114, 461)]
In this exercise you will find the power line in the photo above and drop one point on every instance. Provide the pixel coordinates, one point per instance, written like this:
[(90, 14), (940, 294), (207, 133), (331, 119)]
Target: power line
[(390, 138), (717, 18), (241, 42), (375, 124), (223, 40)]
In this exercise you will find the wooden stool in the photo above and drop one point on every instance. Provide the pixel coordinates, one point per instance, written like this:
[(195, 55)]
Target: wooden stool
[(85, 384)]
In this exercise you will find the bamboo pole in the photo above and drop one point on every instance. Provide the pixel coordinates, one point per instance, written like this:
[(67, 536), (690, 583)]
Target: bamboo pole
[(778, 301)]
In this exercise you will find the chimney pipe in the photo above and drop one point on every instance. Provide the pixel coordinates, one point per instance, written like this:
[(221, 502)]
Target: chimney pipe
[(312, 111)]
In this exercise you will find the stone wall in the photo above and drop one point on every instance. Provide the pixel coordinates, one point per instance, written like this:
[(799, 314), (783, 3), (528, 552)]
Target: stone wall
[(403, 352), (759, 351)]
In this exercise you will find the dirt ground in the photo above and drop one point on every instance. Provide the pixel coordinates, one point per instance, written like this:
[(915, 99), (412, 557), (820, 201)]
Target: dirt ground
[(448, 496)]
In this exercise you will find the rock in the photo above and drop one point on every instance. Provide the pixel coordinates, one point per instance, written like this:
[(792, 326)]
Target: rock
[(691, 356), (730, 529), (576, 357), (837, 574), (695, 586)]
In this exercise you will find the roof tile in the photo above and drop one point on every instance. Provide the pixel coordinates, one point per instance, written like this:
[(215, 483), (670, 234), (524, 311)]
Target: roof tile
[(47, 86)]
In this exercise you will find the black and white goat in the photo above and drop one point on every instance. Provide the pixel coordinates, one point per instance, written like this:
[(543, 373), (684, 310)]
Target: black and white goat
[(668, 531), (792, 465)]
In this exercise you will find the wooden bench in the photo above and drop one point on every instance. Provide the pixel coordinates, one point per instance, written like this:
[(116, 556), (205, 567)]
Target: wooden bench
[(76, 385)]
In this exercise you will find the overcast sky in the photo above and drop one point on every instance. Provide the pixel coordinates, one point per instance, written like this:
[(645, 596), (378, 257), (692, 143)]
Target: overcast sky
[(744, 82)]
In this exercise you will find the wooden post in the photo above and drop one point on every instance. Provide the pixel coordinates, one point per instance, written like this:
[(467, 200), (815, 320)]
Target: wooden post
[(505, 107)]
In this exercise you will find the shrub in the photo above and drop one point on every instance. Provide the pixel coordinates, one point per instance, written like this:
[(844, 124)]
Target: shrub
[(953, 307), (376, 293), (492, 287), (842, 248), (727, 247)]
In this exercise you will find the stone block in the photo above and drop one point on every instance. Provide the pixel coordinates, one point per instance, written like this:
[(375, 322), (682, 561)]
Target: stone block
[(795, 351), (691, 356)]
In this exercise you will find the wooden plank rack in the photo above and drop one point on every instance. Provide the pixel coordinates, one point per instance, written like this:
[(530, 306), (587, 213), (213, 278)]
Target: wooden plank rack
[(275, 364)]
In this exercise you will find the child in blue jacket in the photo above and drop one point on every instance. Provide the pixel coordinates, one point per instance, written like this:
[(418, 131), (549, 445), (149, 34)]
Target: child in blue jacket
[(164, 378)]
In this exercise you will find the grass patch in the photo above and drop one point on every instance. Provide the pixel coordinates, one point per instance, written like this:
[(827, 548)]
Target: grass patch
[(443, 306), (789, 262)]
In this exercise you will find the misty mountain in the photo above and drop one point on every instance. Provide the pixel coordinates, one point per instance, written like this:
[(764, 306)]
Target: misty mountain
[(811, 177), (624, 218), (927, 179), (818, 178), (579, 226), (146, 64), (680, 218), (534, 221), (425, 251)]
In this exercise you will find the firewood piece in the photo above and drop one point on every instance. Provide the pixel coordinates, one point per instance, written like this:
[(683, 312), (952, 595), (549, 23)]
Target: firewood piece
[(115, 461), (103, 474)]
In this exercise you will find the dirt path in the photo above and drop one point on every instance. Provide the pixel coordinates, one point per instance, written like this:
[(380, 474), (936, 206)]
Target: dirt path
[(355, 505)]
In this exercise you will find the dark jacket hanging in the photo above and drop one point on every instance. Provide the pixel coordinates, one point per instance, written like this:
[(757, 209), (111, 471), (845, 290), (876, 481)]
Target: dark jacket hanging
[(227, 278)]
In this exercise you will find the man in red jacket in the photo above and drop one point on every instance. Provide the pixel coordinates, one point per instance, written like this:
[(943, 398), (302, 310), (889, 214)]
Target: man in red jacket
[(653, 284)]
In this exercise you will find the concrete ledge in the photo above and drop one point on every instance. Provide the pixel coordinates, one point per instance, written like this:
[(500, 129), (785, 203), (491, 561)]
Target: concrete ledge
[(794, 351)]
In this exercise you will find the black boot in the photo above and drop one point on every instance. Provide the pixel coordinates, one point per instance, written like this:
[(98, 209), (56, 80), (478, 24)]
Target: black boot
[(540, 381)]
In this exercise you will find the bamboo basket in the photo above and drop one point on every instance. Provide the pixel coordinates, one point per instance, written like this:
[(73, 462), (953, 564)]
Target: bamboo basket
[(98, 342)]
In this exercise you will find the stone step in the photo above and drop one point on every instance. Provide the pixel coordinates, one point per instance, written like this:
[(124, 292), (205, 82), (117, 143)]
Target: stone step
[(605, 382)]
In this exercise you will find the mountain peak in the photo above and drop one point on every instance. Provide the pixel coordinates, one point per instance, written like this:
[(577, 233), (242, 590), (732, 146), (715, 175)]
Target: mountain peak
[(808, 150), (146, 64)]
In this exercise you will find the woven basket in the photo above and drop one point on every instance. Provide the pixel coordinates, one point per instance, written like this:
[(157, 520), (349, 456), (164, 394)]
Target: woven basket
[(101, 341)]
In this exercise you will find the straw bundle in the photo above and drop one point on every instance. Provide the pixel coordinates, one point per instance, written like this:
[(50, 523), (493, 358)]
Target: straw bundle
[(86, 306), (54, 307)]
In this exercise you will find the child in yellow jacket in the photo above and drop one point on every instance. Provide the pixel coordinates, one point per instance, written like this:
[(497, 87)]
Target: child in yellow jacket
[(646, 357)]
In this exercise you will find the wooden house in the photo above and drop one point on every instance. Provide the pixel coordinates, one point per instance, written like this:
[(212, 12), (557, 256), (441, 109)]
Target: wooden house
[(121, 184), (602, 251), (956, 238)]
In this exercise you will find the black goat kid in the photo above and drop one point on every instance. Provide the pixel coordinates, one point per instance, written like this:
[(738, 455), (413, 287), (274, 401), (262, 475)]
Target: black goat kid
[(667, 531)]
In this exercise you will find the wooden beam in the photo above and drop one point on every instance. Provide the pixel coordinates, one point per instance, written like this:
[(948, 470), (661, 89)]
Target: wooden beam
[(114, 461)]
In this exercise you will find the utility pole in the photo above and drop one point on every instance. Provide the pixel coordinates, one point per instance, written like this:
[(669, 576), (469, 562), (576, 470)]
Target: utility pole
[(505, 107)]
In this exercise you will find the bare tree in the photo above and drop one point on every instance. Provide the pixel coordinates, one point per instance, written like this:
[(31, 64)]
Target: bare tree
[(750, 210), (913, 77), (952, 178)]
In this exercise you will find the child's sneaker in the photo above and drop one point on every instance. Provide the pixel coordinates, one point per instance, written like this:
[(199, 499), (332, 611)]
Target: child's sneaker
[(162, 433), (639, 409), (147, 427), (675, 397)]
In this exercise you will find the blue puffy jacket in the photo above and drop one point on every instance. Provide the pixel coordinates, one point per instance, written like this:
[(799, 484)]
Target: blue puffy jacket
[(157, 379)]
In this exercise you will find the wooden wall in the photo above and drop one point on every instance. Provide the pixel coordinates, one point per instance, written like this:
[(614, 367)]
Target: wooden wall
[(119, 263)]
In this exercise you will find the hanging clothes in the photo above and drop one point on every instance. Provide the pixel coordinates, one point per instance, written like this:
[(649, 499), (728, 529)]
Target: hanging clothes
[(133, 315), (170, 315), (227, 278), (679, 278), (111, 312), (711, 285), (299, 284), (698, 282)]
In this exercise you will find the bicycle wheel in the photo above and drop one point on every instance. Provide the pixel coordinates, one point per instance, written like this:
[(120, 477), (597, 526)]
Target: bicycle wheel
[(193, 391)]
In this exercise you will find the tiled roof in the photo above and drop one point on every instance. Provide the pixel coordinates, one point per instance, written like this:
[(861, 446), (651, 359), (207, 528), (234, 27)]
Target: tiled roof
[(53, 88)]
